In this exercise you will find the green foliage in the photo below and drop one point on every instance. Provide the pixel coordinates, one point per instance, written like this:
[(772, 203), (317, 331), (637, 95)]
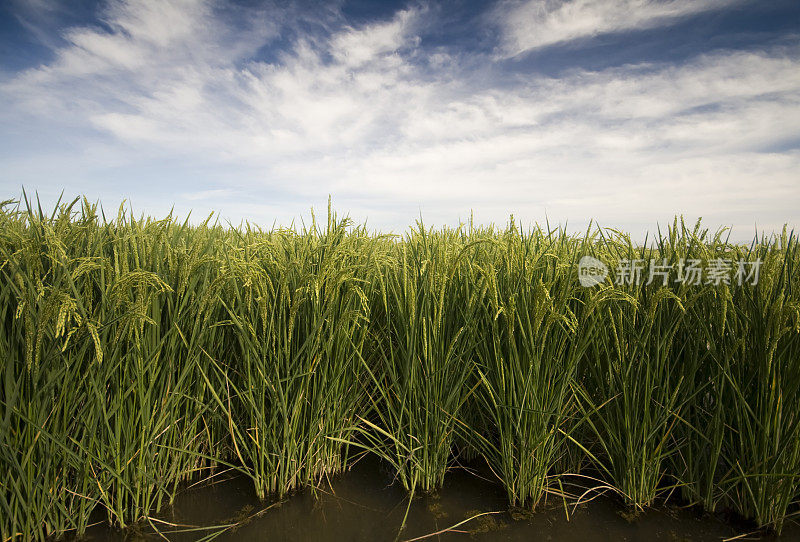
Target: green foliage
[(139, 354)]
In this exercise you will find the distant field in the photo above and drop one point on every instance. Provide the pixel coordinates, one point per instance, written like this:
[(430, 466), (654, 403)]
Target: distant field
[(138, 354)]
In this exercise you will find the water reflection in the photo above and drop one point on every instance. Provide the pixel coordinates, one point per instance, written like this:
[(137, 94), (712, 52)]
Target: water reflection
[(364, 505)]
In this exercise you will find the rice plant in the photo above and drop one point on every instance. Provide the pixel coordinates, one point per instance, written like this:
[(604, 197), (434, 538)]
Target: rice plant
[(534, 329), (762, 375), (427, 298), (297, 314), (141, 354), (637, 383)]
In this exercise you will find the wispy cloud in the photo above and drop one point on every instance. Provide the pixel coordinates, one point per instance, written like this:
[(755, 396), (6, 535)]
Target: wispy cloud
[(211, 195), (530, 24), (359, 112)]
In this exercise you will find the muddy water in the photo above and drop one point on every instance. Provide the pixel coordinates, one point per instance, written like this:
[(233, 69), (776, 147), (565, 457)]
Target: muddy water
[(363, 505)]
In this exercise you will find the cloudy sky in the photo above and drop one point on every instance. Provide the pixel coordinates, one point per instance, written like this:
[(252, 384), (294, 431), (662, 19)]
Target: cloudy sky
[(625, 111)]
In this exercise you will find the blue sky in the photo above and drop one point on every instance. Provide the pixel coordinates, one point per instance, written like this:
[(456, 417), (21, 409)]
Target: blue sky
[(625, 111)]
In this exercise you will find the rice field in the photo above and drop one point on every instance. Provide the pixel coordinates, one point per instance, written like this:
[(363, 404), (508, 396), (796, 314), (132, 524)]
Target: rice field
[(140, 354)]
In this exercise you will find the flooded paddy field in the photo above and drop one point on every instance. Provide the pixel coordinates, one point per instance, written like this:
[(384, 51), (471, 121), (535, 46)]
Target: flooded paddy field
[(364, 505), (141, 354)]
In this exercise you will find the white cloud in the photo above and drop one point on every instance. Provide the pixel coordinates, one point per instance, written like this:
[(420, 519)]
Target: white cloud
[(355, 47), (530, 24), (356, 115), (211, 195)]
